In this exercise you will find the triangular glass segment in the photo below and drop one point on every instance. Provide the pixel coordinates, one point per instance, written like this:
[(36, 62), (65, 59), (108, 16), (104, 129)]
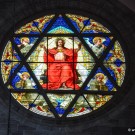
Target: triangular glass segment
[(98, 44), (6, 69), (117, 70), (9, 54), (99, 100), (34, 102), (61, 102), (43, 22), (22, 80), (25, 44), (81, 107), (79, 22), (115, 55), (60, 27), (95, 27), (100, 82), (29, 28)]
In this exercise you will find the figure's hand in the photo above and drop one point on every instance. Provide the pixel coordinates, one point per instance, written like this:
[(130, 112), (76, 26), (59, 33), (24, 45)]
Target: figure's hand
[(79, 47), (103, 46), (41, 46)]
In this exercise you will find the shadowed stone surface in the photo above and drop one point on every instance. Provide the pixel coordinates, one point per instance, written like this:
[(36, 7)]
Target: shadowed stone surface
[(115, 121)]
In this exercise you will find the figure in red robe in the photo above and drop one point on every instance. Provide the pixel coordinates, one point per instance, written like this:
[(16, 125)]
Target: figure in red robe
[(61, 63)]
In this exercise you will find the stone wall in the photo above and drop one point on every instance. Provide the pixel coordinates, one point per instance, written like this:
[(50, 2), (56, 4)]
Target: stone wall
[(115, 121)]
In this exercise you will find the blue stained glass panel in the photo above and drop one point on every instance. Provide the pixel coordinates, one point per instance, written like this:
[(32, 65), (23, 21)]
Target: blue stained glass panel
[(60, 26)]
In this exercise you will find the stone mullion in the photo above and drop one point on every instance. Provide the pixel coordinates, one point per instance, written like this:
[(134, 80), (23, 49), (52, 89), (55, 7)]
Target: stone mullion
[(65, 35), (70, 106), (87, 102), (101, 92)]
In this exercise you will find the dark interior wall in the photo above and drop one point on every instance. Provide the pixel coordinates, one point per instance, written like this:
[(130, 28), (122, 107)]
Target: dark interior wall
[(115, 121), (129, 3)]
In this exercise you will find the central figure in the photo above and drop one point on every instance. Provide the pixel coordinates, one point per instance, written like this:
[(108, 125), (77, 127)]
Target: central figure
[(61, 63)]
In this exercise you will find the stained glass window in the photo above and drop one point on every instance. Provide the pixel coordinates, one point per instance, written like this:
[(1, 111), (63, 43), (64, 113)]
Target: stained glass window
[(63, 66)]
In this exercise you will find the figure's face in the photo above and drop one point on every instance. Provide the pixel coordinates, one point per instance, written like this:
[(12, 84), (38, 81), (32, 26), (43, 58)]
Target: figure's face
[(99, 41), (60, 43), (25, 42), (24, 77), (99, 79)]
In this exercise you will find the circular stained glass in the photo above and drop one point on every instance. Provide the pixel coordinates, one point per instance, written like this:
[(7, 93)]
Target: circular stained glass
[(63, 66)]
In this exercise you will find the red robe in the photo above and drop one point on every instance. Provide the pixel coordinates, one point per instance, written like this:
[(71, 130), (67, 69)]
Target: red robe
[(59, 72)]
